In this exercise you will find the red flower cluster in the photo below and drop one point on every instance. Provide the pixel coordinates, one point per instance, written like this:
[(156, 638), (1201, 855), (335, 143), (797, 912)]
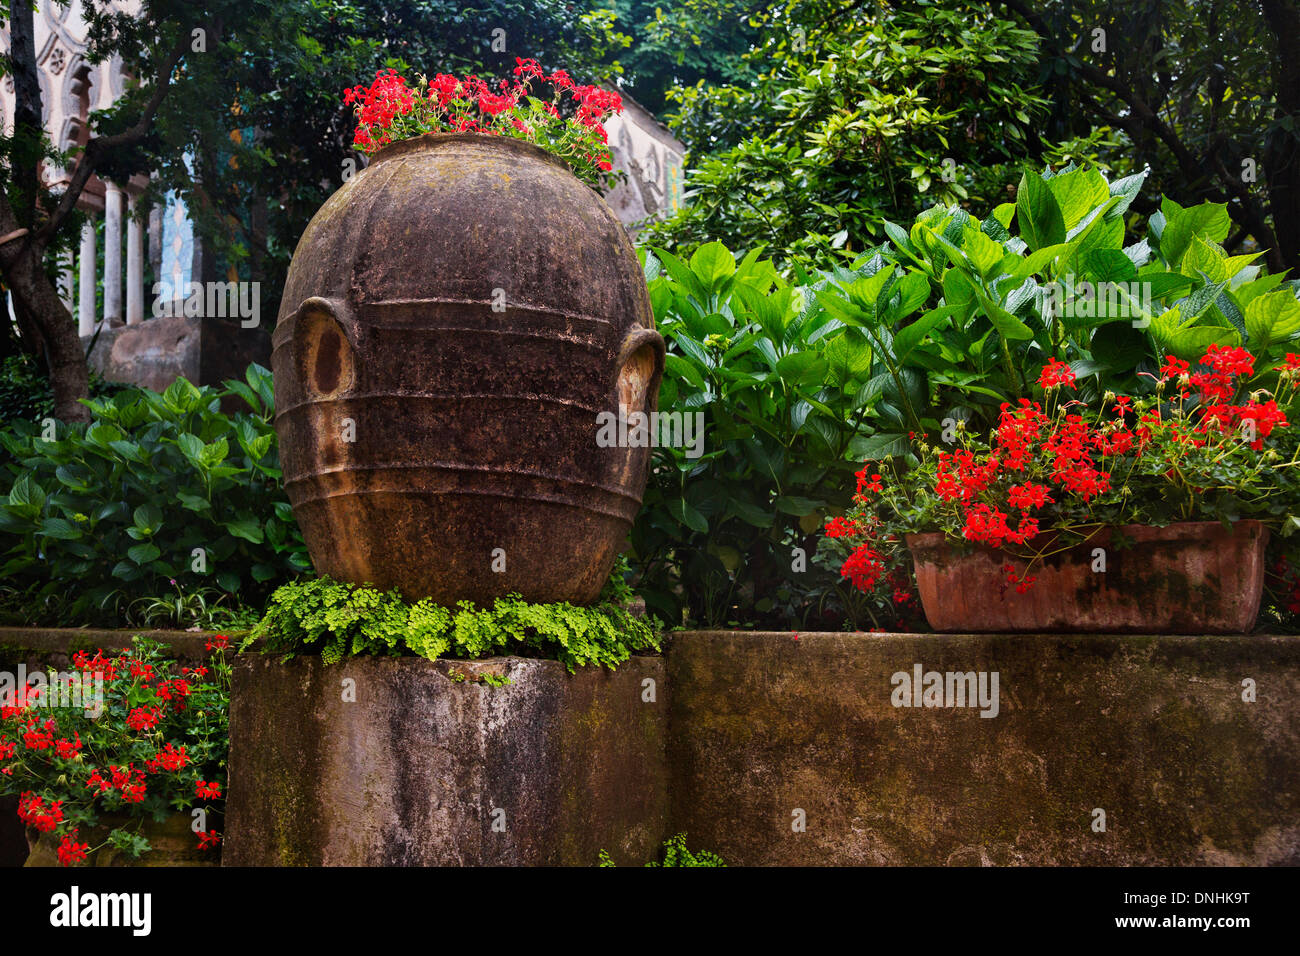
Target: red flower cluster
[(39, 815), (1055, 373), (864, 568), (390, 110), (839, 527), (175, 690), (1034, 461), (74, 763), (144, 718), (207, 791), (70, 851), (127, 782), (169, 758), (866, 484), (40, 736), (68, 749), (19, 701), (97, 665)]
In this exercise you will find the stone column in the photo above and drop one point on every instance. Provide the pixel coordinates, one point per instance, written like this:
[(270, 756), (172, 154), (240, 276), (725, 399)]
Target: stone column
[(86, 307), (134, 267), (68, 282), (112, 254)]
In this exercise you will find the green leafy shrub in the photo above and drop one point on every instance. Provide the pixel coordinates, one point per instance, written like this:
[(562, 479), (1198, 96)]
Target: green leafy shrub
[(338, 620), (675, 853), (823, 133), (960, 313), (158, 492), (786, 392)]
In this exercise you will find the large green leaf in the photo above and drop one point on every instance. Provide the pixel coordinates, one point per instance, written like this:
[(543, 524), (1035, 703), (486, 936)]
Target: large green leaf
[(1187, 340), (1208, 220), (1038, 214), (1271, 318), (910, 336), (247, 528), (712, 263), (61, 529), (1077, 193), (1008, 326), (143, 553)]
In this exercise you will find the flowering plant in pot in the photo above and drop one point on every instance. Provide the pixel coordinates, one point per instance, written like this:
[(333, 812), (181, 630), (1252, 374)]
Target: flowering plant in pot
[(111, 759), (1135, 514), (568, 123)]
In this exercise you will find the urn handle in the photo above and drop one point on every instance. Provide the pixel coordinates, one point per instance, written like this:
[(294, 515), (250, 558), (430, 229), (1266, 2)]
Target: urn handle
[(640, 368), (322, 346)]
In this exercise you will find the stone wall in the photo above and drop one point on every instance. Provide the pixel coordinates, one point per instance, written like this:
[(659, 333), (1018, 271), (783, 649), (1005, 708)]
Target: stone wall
[(769, 748), (1153, 731), (153, 354)]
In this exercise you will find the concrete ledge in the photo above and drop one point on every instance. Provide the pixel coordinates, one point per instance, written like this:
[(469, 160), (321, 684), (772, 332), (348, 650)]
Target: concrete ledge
[(55, 645), (1152, 730), (428, 766)]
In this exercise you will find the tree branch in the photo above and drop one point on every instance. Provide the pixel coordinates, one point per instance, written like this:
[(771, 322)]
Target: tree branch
[(100, 145)]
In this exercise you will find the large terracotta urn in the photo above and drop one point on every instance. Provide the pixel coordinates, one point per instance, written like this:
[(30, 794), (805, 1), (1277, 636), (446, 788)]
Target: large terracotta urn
[(454, 321)]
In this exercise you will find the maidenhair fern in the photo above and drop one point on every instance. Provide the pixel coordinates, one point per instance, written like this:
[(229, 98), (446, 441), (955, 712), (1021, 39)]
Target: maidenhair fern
[(675, 853), (339, 620)]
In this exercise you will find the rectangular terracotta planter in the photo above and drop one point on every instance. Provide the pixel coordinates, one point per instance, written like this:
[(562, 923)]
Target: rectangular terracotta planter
[(1188, 578)]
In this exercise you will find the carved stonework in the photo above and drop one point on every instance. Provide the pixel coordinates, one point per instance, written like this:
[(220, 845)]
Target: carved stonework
[(650, 159)]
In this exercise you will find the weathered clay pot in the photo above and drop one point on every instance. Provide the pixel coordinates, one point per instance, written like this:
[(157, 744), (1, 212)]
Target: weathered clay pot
[(421, 428), (173, 842), (1191, 578)]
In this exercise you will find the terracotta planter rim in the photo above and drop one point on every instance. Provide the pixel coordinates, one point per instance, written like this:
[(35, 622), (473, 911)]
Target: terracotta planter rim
[(924, 538), (1191, 577), (489, 141)]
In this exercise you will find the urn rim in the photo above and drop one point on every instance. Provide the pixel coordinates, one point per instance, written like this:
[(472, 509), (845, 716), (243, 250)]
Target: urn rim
[(489, 141)]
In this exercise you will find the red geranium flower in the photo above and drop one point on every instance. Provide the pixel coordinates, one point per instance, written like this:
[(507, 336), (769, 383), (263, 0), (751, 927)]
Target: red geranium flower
[(1055, 373)]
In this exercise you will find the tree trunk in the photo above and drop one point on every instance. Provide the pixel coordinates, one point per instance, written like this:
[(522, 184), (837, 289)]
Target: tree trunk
[(43, 321), (63, 354), (1281, 158)]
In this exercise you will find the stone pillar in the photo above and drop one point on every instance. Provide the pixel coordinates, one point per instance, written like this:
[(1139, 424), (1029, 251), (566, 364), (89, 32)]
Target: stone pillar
[(86, 307), (134, 267), (112, 255), (431, 767), (68, 282)]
